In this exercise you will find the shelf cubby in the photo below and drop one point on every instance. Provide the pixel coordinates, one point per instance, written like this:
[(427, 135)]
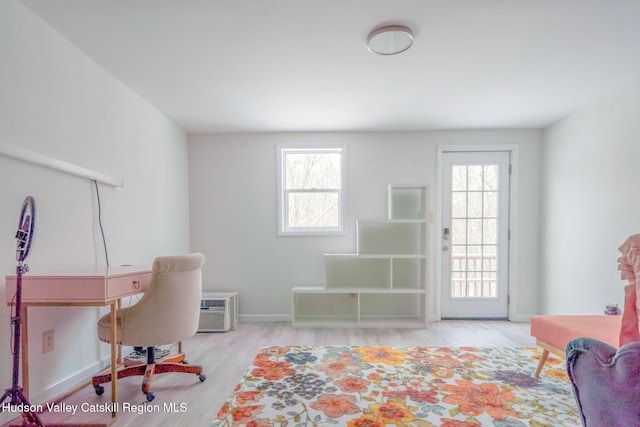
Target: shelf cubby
[(407, 202), (391, 237), (408, 273), (357, 272), (324, 307), (396, 308)]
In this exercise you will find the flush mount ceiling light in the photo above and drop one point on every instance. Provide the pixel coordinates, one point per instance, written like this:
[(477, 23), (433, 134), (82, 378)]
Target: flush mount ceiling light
[(390, 39)]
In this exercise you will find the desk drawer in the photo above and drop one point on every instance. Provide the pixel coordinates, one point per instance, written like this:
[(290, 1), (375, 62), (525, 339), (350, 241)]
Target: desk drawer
[(127, 285), (95, 286)]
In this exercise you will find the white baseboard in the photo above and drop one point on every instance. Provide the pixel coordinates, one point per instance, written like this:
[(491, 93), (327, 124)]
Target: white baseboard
[(287, 318), (63, 386), (264, 318), (521, 318)]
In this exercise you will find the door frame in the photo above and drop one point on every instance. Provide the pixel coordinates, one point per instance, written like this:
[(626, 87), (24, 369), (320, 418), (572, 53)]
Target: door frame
[(436, 288)]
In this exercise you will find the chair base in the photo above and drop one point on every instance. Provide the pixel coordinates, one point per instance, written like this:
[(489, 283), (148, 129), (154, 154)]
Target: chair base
[(141, 358), (172, 363)]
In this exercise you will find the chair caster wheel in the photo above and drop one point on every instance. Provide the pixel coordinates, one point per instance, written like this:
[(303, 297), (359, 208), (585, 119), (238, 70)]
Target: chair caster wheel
[(202, 377), (99, 389), (150, 396)]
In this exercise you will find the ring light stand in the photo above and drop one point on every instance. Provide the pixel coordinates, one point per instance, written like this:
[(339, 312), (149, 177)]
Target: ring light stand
[(24, 237)]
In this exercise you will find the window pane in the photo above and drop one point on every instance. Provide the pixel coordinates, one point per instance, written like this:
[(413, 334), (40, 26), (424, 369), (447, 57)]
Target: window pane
[(458, 250), (313, 170), (475, 231), (474, 285), (458, 263), (475, 204), (458, 178), (475, 177), (459, 231), (474, 250), (491, 204), (458, 205), (489, 285), (490, 250), (490, 231), (491, 177), (489, 263), (458, 285), (313, 209)]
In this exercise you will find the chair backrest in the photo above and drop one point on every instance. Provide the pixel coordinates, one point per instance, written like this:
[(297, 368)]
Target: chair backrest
[(169, 310)]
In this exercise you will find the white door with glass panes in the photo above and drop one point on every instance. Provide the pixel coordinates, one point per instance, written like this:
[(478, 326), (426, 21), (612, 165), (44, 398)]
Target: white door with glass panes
[(474, 234)]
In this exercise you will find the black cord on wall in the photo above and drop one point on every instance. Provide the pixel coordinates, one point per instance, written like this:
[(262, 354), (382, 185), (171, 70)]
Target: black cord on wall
[(104, 242)]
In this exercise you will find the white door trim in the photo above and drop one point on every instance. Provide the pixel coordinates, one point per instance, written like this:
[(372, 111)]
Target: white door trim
[(436, 288)]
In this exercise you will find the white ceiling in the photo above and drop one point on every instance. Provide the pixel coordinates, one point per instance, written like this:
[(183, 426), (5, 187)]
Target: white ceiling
[(302, 65)]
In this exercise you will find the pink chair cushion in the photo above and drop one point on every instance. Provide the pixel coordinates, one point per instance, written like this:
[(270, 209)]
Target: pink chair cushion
[(558, 330)]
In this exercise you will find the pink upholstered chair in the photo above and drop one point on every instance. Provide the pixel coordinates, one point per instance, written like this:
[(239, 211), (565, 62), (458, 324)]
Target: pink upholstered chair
[(606, 379), (167, 313), (554, 332)]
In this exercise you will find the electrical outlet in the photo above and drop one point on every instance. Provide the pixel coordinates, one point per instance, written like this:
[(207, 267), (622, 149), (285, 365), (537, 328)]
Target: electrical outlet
[(47, 341)]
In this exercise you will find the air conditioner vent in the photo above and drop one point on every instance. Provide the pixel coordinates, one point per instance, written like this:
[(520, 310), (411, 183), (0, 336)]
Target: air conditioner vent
[(214, 315), (213, 303)]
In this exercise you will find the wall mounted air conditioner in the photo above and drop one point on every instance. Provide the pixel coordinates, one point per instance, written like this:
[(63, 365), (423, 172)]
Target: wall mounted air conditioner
[(214, 315)]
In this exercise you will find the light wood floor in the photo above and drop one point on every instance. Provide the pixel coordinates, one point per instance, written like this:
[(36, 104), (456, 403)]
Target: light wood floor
[(226, 356)]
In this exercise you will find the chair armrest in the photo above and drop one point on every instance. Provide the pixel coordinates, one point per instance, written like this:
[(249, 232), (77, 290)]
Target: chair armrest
[(605, 382)]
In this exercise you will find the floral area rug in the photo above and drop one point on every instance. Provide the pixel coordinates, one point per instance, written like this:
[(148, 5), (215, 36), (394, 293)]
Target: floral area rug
[(400, 386)]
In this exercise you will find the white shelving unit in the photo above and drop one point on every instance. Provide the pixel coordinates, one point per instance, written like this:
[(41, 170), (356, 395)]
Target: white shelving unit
[(382, 284)]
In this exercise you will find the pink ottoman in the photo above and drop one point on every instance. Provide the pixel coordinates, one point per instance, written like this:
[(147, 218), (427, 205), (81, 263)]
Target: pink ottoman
[(553, 332)]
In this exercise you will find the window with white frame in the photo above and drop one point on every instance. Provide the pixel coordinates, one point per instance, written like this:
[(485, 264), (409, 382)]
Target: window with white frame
[(311, 180)]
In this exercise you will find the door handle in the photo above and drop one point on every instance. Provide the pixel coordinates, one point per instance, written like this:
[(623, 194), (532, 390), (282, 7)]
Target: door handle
[(445, 237)]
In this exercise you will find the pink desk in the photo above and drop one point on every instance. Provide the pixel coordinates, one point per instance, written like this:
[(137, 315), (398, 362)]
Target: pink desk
[(88, 287)]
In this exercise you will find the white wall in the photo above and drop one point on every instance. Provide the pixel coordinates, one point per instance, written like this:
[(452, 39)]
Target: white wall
[(56, 101), (233, 208), (591, 203)]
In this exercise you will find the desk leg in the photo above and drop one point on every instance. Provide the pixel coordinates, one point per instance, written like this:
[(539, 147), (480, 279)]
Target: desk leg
[(24, 338), (114, 359), (118, 307)]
